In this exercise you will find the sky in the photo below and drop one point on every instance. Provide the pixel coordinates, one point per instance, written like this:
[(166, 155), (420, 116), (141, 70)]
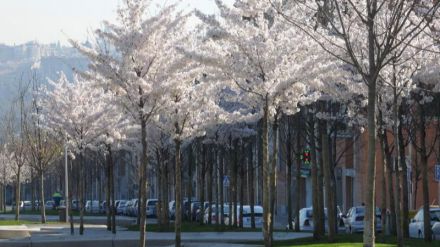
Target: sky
[(50, 21)]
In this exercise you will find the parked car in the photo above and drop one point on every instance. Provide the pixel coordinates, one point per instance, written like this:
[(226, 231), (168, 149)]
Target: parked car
[(306, 219), (194, 207), (172, 209), (27, 205), (354, 220), (416, 227), (49, 205), (197, 210), (75, 205), (120, 208), (186, 206), (151, 207), (133, 211), (127, 207), (92, 206), (103, 207), (214, 214), (258, 214), (21, 205)]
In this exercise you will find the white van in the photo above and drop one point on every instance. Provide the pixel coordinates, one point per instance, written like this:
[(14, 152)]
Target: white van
[(258, 213), (92, 206)]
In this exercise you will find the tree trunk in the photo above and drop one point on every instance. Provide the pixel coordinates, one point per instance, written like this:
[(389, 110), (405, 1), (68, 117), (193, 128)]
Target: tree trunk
[(331, 211), (266, 178), (234, 184), (273, 171), (387, 159), (107, 193), (178, 221), (427, 234), (190, 163), (1, 197), (251, 184), (397, 167), (391, 194), (112, 191), (72, 229), (230, 172), (321, 212), (217, 183), (164, 189), (315, 185), (202, 180), (297, 177), (384, 215), (160, 203), (210, 185), (17, 195), (42, 208), (405, 203), (81, 192), (143, 183), (370, 215), (289, 175), (242, 183), (33, 190), (222, 199)]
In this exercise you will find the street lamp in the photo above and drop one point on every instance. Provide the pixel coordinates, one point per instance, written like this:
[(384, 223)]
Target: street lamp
[(66, 183)]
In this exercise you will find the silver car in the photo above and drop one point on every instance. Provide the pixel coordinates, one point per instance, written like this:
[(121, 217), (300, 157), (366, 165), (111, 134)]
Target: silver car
[(127, 208), (151, 207), (354, 220), (121, 207), (306, 219)]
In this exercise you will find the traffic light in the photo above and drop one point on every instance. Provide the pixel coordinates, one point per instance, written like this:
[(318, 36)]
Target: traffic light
[(306, 157)]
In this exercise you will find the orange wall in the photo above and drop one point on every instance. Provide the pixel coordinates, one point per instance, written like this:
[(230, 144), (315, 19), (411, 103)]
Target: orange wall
[(361, 169)]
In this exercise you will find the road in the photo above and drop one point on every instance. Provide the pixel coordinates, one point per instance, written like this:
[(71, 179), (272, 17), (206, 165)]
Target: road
[(97, 235)]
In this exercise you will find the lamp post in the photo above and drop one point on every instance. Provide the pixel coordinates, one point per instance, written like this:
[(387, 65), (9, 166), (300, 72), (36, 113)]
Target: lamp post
[(66, 182)]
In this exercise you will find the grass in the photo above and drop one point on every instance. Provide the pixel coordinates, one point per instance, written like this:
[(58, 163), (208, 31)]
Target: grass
[(48, 212), (193, 227), (14, 222), (22, 222), (355, 240)]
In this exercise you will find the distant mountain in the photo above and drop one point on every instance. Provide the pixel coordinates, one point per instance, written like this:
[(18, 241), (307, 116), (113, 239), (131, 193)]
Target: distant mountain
[(22, 62)]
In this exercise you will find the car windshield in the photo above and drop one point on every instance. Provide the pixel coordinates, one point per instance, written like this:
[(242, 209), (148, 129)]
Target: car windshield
[(256, 215), (435, 215), (152, 203), (225, 209), (309, 213), (361, 210)]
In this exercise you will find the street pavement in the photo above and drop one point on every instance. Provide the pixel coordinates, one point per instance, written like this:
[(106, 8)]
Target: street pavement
[(97, 235), (98, 219)]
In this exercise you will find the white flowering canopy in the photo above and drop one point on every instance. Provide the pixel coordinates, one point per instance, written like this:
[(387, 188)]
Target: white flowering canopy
[(6, 168), (261, 57), (79, 111), (135, 55)]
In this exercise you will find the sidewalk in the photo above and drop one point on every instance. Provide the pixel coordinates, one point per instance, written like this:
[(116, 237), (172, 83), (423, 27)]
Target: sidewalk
[(98, 236), (120, 220)]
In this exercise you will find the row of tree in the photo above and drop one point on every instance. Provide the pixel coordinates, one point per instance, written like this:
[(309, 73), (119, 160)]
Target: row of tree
[(154, 85)]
